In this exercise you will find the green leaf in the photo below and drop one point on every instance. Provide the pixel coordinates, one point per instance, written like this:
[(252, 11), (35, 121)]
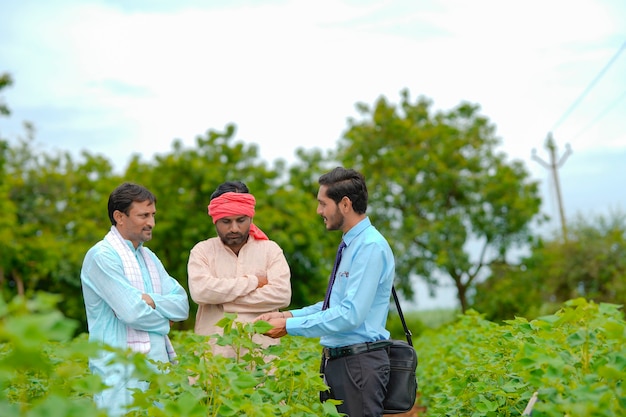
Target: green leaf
[(262, 327)]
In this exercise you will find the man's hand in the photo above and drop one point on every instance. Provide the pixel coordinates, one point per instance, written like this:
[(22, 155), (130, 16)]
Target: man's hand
[(262, 279), (274, 315), (148, 300), (278, 319), (279, 329)]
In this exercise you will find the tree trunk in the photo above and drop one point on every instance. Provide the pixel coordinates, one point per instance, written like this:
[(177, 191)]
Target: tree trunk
[(19, 283), (461, 295)]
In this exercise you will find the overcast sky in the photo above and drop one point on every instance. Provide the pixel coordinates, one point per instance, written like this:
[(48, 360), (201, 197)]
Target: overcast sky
[(123, 77)]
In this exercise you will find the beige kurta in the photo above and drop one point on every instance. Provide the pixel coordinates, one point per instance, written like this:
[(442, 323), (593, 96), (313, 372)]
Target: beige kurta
[(222, 282)]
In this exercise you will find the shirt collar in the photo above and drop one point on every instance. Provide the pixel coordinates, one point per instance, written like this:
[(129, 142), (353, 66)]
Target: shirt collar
[(356, 230), (131, 246)]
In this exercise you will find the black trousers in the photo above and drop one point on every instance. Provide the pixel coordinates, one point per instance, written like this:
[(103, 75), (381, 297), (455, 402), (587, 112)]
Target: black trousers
[(359, 381)]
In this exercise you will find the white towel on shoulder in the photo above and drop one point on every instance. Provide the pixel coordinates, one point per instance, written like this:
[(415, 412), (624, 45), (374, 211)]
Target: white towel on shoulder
[(138, 340)]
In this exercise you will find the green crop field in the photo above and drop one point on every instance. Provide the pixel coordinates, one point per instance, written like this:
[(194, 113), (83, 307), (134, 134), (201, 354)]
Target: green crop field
[(573, 361)]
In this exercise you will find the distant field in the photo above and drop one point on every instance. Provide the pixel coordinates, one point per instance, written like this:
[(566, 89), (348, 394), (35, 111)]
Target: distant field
[(433, 318), (419, 321)]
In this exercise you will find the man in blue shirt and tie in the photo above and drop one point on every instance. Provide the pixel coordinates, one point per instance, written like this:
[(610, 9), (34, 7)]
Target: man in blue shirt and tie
[(350, 322)]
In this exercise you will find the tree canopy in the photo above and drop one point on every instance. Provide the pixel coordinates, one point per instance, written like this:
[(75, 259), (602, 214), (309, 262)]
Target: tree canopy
[(590, 264), (448, 200), (451, 204)]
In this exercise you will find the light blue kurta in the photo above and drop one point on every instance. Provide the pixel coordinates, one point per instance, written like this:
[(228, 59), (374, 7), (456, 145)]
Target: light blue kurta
[(112, 304)]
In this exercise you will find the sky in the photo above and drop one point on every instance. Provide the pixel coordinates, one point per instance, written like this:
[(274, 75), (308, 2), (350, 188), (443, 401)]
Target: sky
[(118, 78)]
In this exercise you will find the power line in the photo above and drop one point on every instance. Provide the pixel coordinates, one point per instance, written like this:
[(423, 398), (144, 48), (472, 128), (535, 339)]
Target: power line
[(589, 87), (600, 115)]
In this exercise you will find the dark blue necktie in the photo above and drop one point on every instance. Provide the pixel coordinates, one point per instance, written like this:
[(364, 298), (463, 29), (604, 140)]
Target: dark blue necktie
[(332, 275)]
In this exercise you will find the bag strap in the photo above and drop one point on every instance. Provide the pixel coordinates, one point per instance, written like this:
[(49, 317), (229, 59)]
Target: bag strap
[(407, 332)]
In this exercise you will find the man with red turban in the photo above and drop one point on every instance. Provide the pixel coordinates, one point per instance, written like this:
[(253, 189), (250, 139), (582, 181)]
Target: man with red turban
[(240, 271)]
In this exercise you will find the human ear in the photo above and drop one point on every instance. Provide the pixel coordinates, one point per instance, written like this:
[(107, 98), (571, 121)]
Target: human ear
[(118, 216), (345, 203)]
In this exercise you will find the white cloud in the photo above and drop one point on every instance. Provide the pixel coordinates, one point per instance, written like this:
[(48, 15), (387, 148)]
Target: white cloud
[(288, 74)]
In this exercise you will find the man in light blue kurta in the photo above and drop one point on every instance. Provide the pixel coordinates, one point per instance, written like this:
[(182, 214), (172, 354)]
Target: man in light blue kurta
[(130, 299)]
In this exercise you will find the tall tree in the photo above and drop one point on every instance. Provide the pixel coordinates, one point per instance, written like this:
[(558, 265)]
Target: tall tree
[(449, 202)]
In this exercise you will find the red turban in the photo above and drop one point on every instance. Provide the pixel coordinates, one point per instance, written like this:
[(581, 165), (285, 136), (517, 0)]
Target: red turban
[(235, 204)]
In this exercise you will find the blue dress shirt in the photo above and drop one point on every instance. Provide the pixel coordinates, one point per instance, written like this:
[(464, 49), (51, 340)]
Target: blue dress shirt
[(359, 301)]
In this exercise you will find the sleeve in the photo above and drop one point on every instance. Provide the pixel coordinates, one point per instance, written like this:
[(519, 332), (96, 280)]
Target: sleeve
[(366, 266), (173, 302), (277, 292), (104, 275), (305, 311), (206, 288)]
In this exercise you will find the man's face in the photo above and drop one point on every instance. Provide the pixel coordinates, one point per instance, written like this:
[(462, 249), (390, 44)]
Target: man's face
[(137, 226), (233, 231), (329, 210)]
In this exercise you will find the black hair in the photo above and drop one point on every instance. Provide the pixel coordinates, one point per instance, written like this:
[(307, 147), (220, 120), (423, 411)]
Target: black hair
[(342, 182), (230, 187), (125, 195)]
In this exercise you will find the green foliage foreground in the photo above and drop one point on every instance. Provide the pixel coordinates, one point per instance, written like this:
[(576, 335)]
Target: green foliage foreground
[(44, 373), (575, 360)]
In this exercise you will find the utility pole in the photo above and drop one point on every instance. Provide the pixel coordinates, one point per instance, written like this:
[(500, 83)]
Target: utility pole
[(554, 166)]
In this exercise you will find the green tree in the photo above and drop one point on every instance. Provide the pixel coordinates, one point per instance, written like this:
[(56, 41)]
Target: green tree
[(183, 182), (448, 201), (55, 210), (590, 264), (5, 81), (8, 218), (312, 247)]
